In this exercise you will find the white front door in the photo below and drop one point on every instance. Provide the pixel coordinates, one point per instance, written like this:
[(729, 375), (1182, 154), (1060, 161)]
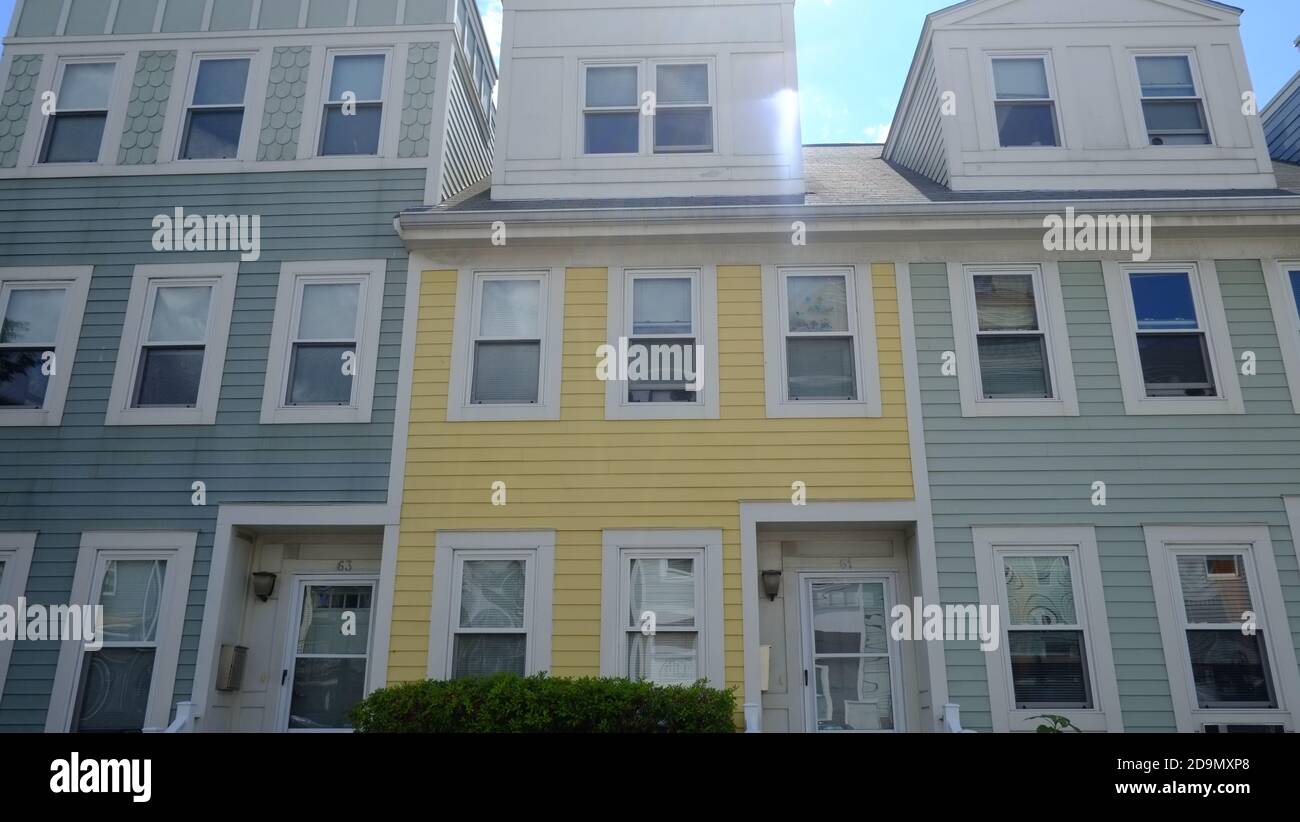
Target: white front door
[(851, 676), (327, 651)]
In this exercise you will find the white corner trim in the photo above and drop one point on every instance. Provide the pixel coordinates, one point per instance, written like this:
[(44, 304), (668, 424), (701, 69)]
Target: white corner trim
[(613, 645), (76, 280), (538, 547), (16, 551), (1080, 544), (177, 548), (222, 277), (1255, 542), (459, 408), (1286, 318), (866, 352), (1209, 300), (1051, 310), (370, 275), (705, 296)]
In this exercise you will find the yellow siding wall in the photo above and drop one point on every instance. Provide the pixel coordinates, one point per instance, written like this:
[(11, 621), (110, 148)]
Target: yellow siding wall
[(584, 474)]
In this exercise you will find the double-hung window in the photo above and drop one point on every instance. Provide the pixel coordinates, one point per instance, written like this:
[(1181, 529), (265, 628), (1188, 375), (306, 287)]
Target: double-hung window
[(1171, 103), (354, 108), (664, 318), (612, 109), (509, 326), (75, 132), (683, 120), (40, 317), (173, 347), (1046, 639), (324, 342), (1010, 333), (1024, 104), (1283, 280), (214, 122)]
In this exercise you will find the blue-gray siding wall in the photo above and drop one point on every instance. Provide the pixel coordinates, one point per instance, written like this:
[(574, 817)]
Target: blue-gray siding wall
[(1282, 126), (81, 476), (1212, 470)]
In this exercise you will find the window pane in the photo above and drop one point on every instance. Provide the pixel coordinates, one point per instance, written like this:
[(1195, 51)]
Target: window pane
[(1221, 598), (853, 694), (329, 311), (510, 308), (664, 659), (849, 618), (1176, 365), (115, 690), (1166, 76), (1040, 591), (671, 365), (1014, 367), (324, 690), (316, 374), (665, 586), (169, 377), (86, 85), (221, 82), (477, 655), (821, 368), (506, 372), (613, 133), (1295, 287), (682, 84), (213, 135), (1229, 669), (1049, 668), (321, 628), (684, 129), (492, 593), (610, 86), (1202, 139), (361, 74), (1163, 302), (22, 385), (357, 133), (1020, 79), (1026, 124), (32, 316), (818, 304), (75, 138), (180, 314), (1006, 302), (131, 596), (1176, 116), (661, 306)]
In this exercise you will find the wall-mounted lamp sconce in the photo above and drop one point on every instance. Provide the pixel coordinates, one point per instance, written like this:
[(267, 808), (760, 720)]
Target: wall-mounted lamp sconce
[(263, 584), (771, 584)]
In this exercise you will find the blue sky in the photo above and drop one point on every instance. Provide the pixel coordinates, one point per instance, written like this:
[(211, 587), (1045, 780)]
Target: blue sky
[(854, 55)]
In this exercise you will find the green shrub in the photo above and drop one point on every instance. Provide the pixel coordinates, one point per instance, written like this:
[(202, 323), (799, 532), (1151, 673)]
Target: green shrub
[(540, 704)]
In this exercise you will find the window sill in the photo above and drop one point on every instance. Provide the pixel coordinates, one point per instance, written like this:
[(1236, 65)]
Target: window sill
[(662, 411), (502, 413), (1090, 720), (1158, 406), (1019, 408), (161, 416), (324, 415), (789, 409), (28, 418)]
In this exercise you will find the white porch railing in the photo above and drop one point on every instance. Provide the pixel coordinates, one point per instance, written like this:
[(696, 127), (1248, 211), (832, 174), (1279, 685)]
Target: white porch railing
[(182, 724), (951, 719)]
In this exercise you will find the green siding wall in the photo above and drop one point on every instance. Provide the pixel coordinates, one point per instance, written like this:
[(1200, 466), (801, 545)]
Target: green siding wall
[(1212, 470), (81, 476)]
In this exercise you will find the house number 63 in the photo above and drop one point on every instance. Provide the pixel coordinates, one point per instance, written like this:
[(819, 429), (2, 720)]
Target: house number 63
[(345, 565)]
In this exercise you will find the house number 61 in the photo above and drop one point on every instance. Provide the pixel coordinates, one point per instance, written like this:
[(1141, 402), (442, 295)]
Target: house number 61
[(846, 565), (345, 565)]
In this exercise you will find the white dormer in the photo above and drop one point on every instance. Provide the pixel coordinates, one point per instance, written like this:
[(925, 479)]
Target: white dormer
[(1064, 95), (628, 99)]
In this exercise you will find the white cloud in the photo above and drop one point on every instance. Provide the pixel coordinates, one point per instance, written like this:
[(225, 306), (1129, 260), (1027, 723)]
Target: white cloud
[(492, 26), (877, 134)]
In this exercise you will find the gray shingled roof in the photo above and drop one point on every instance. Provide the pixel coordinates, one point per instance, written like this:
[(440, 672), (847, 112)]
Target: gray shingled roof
[(855, 174)]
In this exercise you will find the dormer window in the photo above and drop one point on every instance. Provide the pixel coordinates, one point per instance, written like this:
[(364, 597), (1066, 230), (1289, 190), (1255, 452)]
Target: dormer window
[(1025, 107), (1174, 111), (612, 113), (667, 105), (683, 108)]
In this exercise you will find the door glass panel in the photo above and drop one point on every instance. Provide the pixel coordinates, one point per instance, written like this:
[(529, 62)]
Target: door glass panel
[(331, 654), (850, 676)]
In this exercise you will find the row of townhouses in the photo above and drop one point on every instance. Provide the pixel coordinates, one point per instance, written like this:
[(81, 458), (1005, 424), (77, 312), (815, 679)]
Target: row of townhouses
[(307, 321)]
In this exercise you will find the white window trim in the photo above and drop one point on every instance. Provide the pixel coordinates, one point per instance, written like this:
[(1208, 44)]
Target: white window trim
[(313, 127), (538, 547), (369, 319), (16, 550), (1204, 280), (613, 632), (866, 353), (1080, 544), (204, 412), (250, 132), (1194, 66), (547, 407), (705, 307), (647, 81), (1051, 314), (1058, 121), (77, 279), (177, 548), (114, 117), (1253, 541), (584, 109), (1286, 318)]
